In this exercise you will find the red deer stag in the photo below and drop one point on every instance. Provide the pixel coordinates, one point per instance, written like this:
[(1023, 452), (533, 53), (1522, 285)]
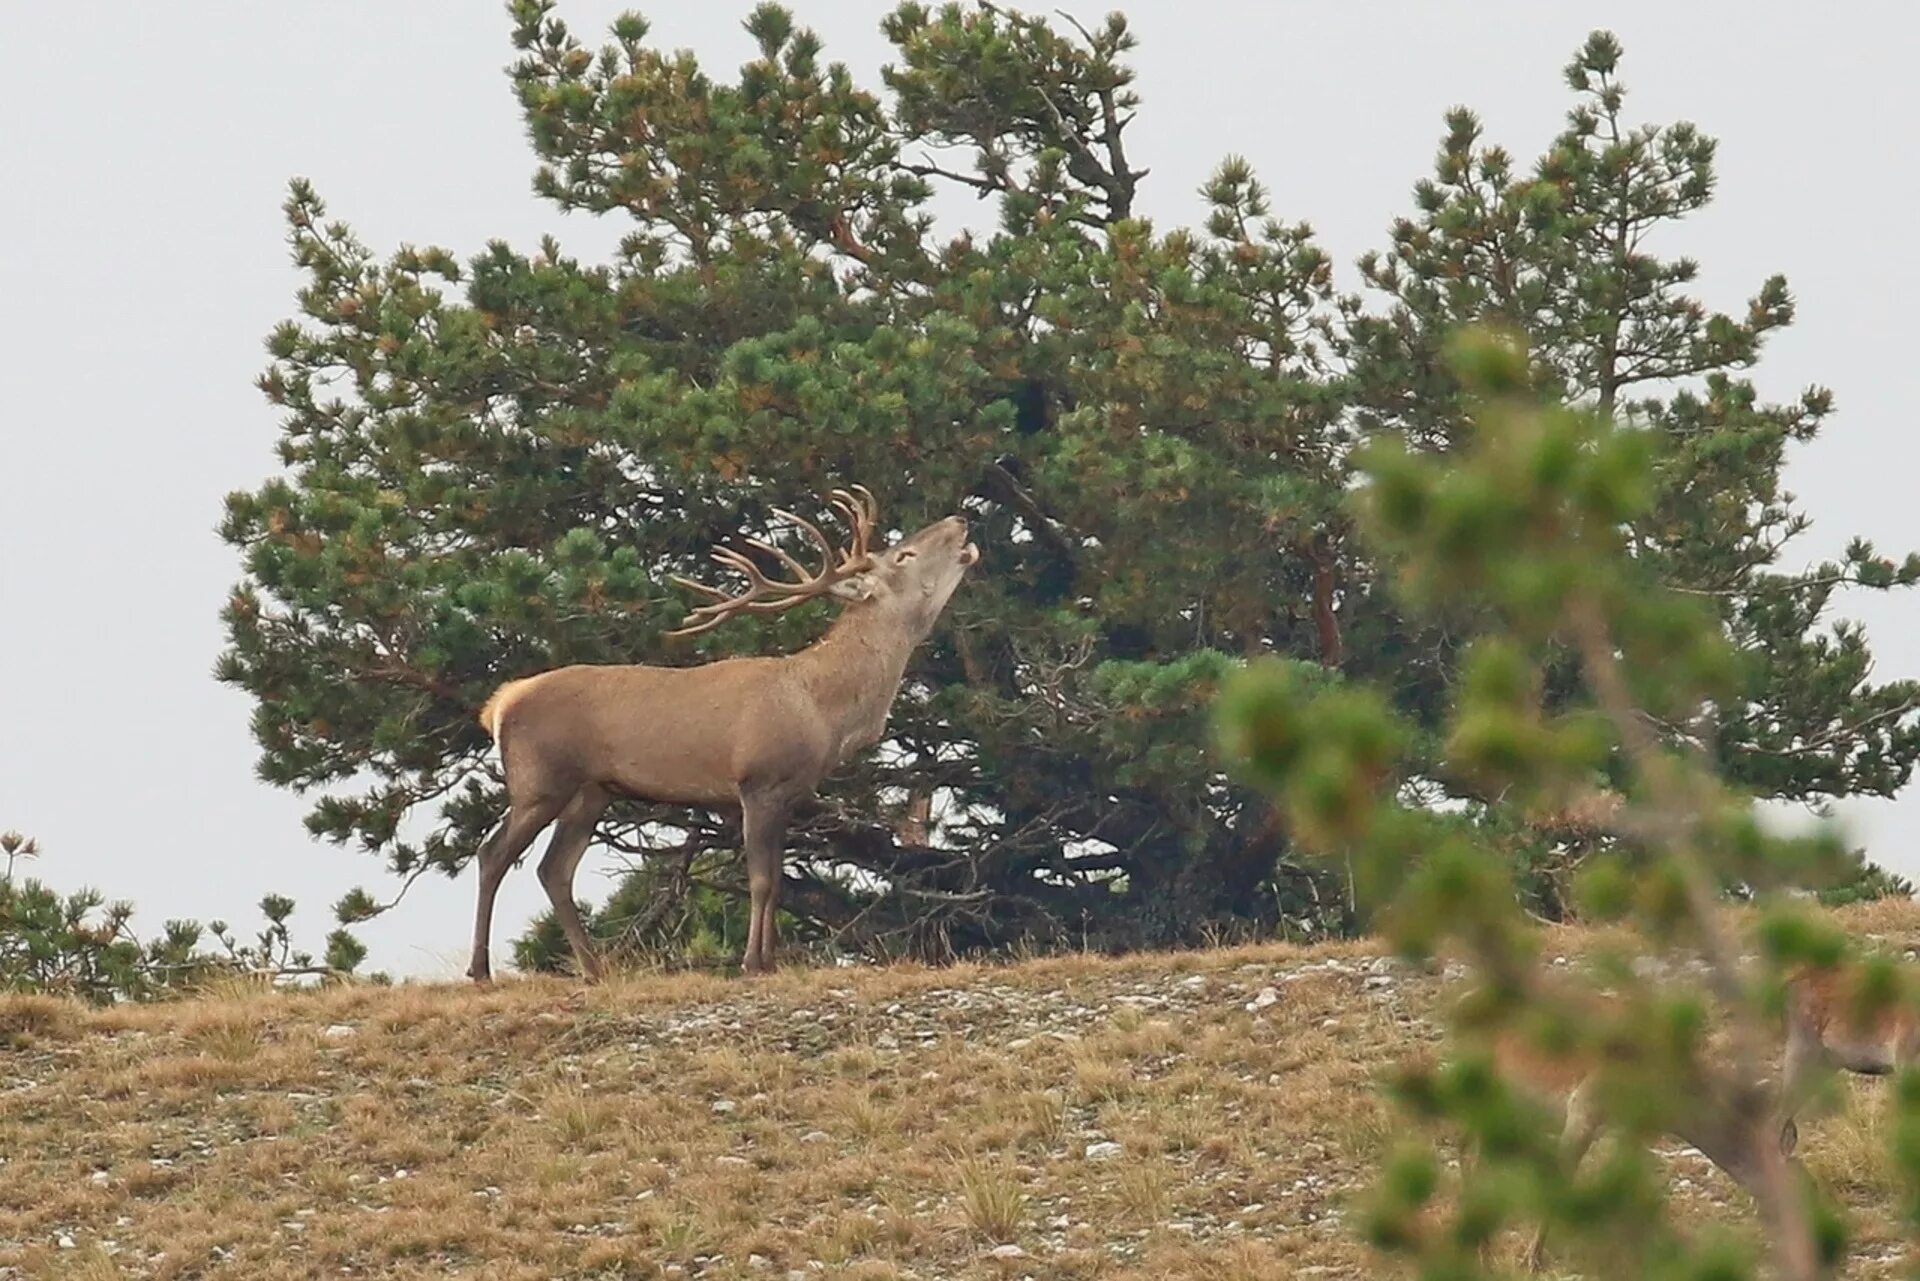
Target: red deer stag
[(754, 735), (1824, 1030), (1728, 1136)]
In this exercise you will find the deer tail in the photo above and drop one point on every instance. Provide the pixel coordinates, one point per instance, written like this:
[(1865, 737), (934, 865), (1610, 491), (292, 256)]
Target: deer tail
[(494, 710)]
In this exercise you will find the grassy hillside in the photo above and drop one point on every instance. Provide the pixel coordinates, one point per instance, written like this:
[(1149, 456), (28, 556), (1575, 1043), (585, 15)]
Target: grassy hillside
[(1079, 1117)]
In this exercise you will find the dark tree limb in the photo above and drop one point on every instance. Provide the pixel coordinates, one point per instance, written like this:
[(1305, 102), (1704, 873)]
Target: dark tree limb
[(1001, 485), (1325, 583)]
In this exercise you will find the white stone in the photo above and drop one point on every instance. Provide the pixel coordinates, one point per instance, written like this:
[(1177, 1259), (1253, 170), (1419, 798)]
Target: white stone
[(1103, 1151), (1267, 997), (724, 1107), (339, 1032), (1008, 1251)]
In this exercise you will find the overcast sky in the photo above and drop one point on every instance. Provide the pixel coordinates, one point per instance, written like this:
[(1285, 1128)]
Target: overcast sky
[(146, 151)]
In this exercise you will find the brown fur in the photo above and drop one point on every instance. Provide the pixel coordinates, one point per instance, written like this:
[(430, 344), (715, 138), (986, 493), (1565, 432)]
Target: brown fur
[(1724, 1138), (1824, 1030), (1821, 1031), (754, 735)]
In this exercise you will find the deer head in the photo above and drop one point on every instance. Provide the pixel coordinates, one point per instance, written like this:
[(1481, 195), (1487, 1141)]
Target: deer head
[(908, 583)]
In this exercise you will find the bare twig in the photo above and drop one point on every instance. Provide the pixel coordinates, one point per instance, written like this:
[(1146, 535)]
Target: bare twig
[(1775, 1187)]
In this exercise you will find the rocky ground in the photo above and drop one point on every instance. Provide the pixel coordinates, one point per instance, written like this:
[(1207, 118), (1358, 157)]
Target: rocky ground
[(1210, 1114)]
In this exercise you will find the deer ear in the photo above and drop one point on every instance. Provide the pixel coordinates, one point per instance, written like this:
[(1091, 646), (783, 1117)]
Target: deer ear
[(859, 587)]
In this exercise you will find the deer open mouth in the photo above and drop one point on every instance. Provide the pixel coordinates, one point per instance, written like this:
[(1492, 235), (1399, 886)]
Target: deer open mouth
[(968, 555)]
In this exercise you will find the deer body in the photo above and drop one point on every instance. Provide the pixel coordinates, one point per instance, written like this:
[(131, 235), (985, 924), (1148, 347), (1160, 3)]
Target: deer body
[(1741, 1150), (730, 721), (1823, 1033), (1820, 1033), (754, 735)]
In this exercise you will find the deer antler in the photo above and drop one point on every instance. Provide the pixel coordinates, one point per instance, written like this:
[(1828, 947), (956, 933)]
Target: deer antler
[(770, 596), (862, 515)]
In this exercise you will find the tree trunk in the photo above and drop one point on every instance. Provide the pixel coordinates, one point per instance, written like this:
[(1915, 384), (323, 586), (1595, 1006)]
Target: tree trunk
[(1326, 623)]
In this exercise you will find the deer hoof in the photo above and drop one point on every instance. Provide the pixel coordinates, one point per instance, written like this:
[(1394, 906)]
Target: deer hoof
[(1789, 1138)]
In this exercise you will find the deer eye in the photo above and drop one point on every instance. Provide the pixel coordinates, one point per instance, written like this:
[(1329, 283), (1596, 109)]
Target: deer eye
[(904, 555)]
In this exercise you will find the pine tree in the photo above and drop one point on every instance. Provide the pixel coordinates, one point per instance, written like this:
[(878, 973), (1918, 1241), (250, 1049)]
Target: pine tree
[(80, 944), (1566, 252), (493, 467)]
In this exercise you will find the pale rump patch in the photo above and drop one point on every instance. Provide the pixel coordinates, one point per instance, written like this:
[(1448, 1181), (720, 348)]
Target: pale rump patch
[(494, 710)]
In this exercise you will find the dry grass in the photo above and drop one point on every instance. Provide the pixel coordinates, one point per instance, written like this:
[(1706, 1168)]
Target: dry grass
[(893, 1123), (995, 1201)]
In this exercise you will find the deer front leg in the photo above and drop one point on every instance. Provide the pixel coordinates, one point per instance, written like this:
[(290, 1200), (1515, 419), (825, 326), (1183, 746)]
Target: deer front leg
[(764, 830), (1800, 1065)]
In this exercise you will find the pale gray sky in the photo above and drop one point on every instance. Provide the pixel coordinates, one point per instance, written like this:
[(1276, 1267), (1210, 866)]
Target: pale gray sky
[(146, 151)]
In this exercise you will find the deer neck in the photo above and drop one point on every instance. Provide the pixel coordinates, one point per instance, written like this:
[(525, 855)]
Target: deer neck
[(853, 673)]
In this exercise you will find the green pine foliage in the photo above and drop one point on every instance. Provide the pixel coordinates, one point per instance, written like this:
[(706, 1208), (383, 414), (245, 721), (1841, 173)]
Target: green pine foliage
[(1578, 660), (1566, 252), (84, 946), (493, 465), (667, 911)]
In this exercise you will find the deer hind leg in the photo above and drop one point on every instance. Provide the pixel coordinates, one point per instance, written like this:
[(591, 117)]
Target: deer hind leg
[(764, 828), (1582, 1127), (571, 836), (501, 851)]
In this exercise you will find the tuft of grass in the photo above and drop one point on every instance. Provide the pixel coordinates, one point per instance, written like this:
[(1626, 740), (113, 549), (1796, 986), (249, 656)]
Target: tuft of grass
[(91, 1262), (228, 987), (993, 1198), (26, 1018), (231, 1040), (1040, 1117), (865, 1119), (1100, 1077), (583, 1119), (1144, 1192), (1848, 1151)]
